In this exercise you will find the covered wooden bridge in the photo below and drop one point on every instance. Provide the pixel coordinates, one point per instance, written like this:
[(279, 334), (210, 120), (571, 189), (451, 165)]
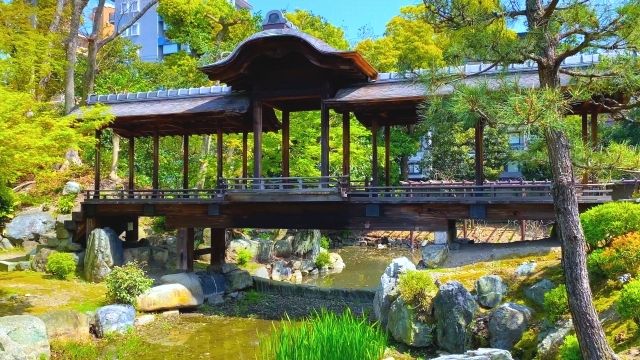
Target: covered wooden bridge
[(281, 70)]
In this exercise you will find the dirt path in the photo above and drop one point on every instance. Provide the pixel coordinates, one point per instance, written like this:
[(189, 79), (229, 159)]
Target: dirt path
[(473, 253)]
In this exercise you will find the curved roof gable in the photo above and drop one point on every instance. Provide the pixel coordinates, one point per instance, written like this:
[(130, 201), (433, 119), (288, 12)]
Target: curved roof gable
[(235, 69)]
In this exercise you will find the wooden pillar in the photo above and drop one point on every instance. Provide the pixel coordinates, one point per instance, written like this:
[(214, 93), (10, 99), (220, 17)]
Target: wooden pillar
[(594, 129), (131, 234), (132, 166), (324, 140), (452, 231), (219, 159), (479, 152), (374, 153), (218, 249), (185, 162), (585, 128), (155, 184), (257, 139), (185, 249), (465, 224), (285, 144), (245, 137), (346, 145), (96, 169), (523, 227), (387, 156)]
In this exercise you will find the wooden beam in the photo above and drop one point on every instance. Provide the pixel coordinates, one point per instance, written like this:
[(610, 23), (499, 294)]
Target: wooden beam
[(219, 164), (346, 144), (185, 161), (374, 153), (155, 183), (324, 139), (96, 168), (257, 139), (132, 165), (218, 249), (285, 144), (387, 155), (479, 152), (245, 137)]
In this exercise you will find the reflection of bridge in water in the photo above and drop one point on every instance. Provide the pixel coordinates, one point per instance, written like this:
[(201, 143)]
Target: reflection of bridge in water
[(271, 74)]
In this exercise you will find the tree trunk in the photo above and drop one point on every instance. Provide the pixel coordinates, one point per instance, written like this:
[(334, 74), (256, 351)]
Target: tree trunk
[(113, 174), (593, 343), (202, 173), (72, 47)]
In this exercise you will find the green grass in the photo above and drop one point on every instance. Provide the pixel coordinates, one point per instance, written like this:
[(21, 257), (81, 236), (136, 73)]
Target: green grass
[(118, 346), (325, 336)]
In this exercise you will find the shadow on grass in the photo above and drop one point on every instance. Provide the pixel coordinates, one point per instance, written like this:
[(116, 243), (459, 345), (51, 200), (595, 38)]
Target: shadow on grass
[(13, 304)]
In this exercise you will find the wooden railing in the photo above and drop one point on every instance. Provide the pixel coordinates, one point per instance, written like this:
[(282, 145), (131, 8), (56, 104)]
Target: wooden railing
[(464, 192), (504, 191)]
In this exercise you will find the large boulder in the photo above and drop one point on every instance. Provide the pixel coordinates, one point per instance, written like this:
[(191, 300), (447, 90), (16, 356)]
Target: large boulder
[(23, 337), (551, 340), (5, 244), (490, 290), (283, 248), (434, 255), (189, 280), (141, 255), (238, 280), (39, 260), (507, 323), (71, 187), (306, 243), (526, 269), (66, 324), (28, 226), (336, 264), (114, 319), (386, 293), (454, 309), (536, 292), (261, 272), (280, 271), (104, 251), (239, 244), (480, 354), (265, 251), (404, 326), (167, 297)]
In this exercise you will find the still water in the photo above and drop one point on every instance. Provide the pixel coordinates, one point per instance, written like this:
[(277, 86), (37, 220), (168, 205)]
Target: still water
[(364, 266)]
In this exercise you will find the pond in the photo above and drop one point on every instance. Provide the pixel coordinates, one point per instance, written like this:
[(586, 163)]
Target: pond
[(364, 266)]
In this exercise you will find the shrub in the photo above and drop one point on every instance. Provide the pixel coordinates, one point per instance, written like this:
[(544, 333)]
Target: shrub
[(620, 257), (325, 242), (326, 336), (61, 265), (323, 259), (126, 282), (570, 349), (417, 289), (556, 303), (158, 224), (628, 304), (244, 256), (66, 203), (604, 222), (7, 201)]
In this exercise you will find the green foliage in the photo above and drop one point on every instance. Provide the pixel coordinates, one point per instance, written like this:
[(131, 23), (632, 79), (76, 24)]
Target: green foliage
[(570, 349), (61, 265), (126, 282), (325, 336), (74, 350), (556, 303), (325, 242), (7, 201), (628, 304), (158, 224), (318, 27), (66, 203), (604, 222), (244, 256), (620, 257), (323, 260), (527, 347), (417, 289)]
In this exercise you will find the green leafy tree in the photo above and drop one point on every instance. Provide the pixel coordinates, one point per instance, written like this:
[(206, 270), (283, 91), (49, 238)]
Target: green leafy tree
[(319, 27), (556, 30)]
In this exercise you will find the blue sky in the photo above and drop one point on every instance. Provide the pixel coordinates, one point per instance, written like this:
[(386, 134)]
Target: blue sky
[(351, 15)]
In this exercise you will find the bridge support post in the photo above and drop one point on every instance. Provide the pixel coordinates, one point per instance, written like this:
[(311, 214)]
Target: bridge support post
[(131, 234), (285, 144), (218, 249), (374, 153), (185, 249), (452, 231)]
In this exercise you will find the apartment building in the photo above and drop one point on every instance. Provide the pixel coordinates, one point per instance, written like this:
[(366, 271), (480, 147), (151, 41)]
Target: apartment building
[(149, 31)]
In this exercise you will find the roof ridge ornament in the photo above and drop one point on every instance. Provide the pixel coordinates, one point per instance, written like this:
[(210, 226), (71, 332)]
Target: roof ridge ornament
[(275, 19)]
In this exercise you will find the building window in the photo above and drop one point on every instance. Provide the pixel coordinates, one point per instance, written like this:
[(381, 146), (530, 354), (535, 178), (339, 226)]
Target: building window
[(133, 30), (169, 49), (414, 169), (130, 6)]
